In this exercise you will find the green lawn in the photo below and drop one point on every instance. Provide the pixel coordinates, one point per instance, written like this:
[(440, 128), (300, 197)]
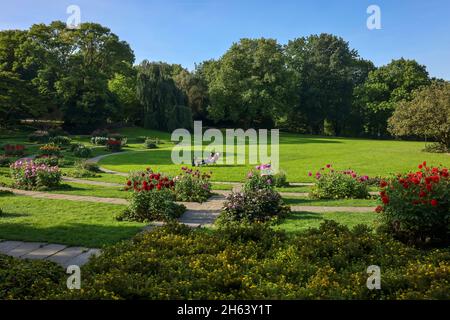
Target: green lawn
[(299, 154), (299, 221), (66, 222), (305, 201)]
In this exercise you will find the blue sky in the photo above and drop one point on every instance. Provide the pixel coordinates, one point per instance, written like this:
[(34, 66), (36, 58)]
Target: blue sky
[(189, 31)]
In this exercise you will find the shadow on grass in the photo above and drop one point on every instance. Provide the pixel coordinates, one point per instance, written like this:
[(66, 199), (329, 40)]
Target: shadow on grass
[(304, 216), (72, 234)]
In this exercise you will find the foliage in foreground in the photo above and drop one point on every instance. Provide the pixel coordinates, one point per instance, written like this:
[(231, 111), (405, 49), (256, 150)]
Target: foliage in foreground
[(244, 261)]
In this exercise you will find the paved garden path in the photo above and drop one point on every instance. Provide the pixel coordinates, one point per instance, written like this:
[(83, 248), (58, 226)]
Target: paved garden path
[(58, 253)]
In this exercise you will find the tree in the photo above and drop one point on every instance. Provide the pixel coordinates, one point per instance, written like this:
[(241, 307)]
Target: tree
[(163, 102), (427, 114), (248, 85), (385, 88), (324, 70)]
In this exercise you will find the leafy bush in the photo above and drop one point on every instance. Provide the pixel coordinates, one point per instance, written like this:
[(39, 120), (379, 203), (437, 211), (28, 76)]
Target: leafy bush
[(84, 169), (114, 145), (332, 184), (280, 179), (192, 186), (49, 150), (100, 133), (100, 141), (14, 150), (252, 262), (254, 206), (29, 175), (39, 136), (415, 206), (29, 279), (60, 140), (262, 177), (150, 143), (152, 205), (82, 152), (48, 161), (435, 148)]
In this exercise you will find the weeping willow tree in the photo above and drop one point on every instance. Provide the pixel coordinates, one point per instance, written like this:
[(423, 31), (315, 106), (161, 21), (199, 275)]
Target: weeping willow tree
[(162, 100)]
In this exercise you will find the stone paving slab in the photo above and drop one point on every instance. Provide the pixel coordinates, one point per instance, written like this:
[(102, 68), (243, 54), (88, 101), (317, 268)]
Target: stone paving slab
[(66, 255), (82, 258), (44, 252), (25, 248), (7, 246)]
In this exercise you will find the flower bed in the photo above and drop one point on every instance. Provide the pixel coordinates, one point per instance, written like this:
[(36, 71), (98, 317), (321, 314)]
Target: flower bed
[(415, 206), (333, 184), (29, 175), (192, 185), (153, 198), (14, 150), (50, 150)]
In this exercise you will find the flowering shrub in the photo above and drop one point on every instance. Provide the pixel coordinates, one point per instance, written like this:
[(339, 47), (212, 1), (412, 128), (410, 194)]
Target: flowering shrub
[(60, 140), (101, 141), (415, 206), (332, 184), (50, 150), (253, 206), (153, 198), (263, 177), (114, 145), (29, 175), (192, 185), (151, 143), (81, 151), (48, 161), (14, 150)]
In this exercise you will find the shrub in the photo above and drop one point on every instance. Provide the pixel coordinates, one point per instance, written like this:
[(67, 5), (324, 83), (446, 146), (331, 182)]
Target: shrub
[(14, 149), (435, 148), (114, 145), (152, 205), (148, 180), (82, 152), (415, 206), (28, 175), (28, 279), (50, 150), (254, 262), (332, 184), (100, 141), (253, 206), (4, 161), (258, 179), (39, 136), (192, 186), (60, 140), (280, 179), (84, 169), (150, 144), (48, 161)]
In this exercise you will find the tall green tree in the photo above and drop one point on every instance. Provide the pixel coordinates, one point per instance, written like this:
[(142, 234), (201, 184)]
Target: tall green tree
[(323, 73), (384, 88), (164, 104), (249, 85)]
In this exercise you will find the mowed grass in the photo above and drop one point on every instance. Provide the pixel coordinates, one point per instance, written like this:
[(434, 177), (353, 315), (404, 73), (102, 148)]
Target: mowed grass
[(306, 201), (66, 222), (300, 221), (299, 154)]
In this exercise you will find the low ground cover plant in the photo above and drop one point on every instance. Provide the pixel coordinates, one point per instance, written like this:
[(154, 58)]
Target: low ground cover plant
[(334, 184), (29, 175), (415, 206), (251, 261), (192, 185)]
